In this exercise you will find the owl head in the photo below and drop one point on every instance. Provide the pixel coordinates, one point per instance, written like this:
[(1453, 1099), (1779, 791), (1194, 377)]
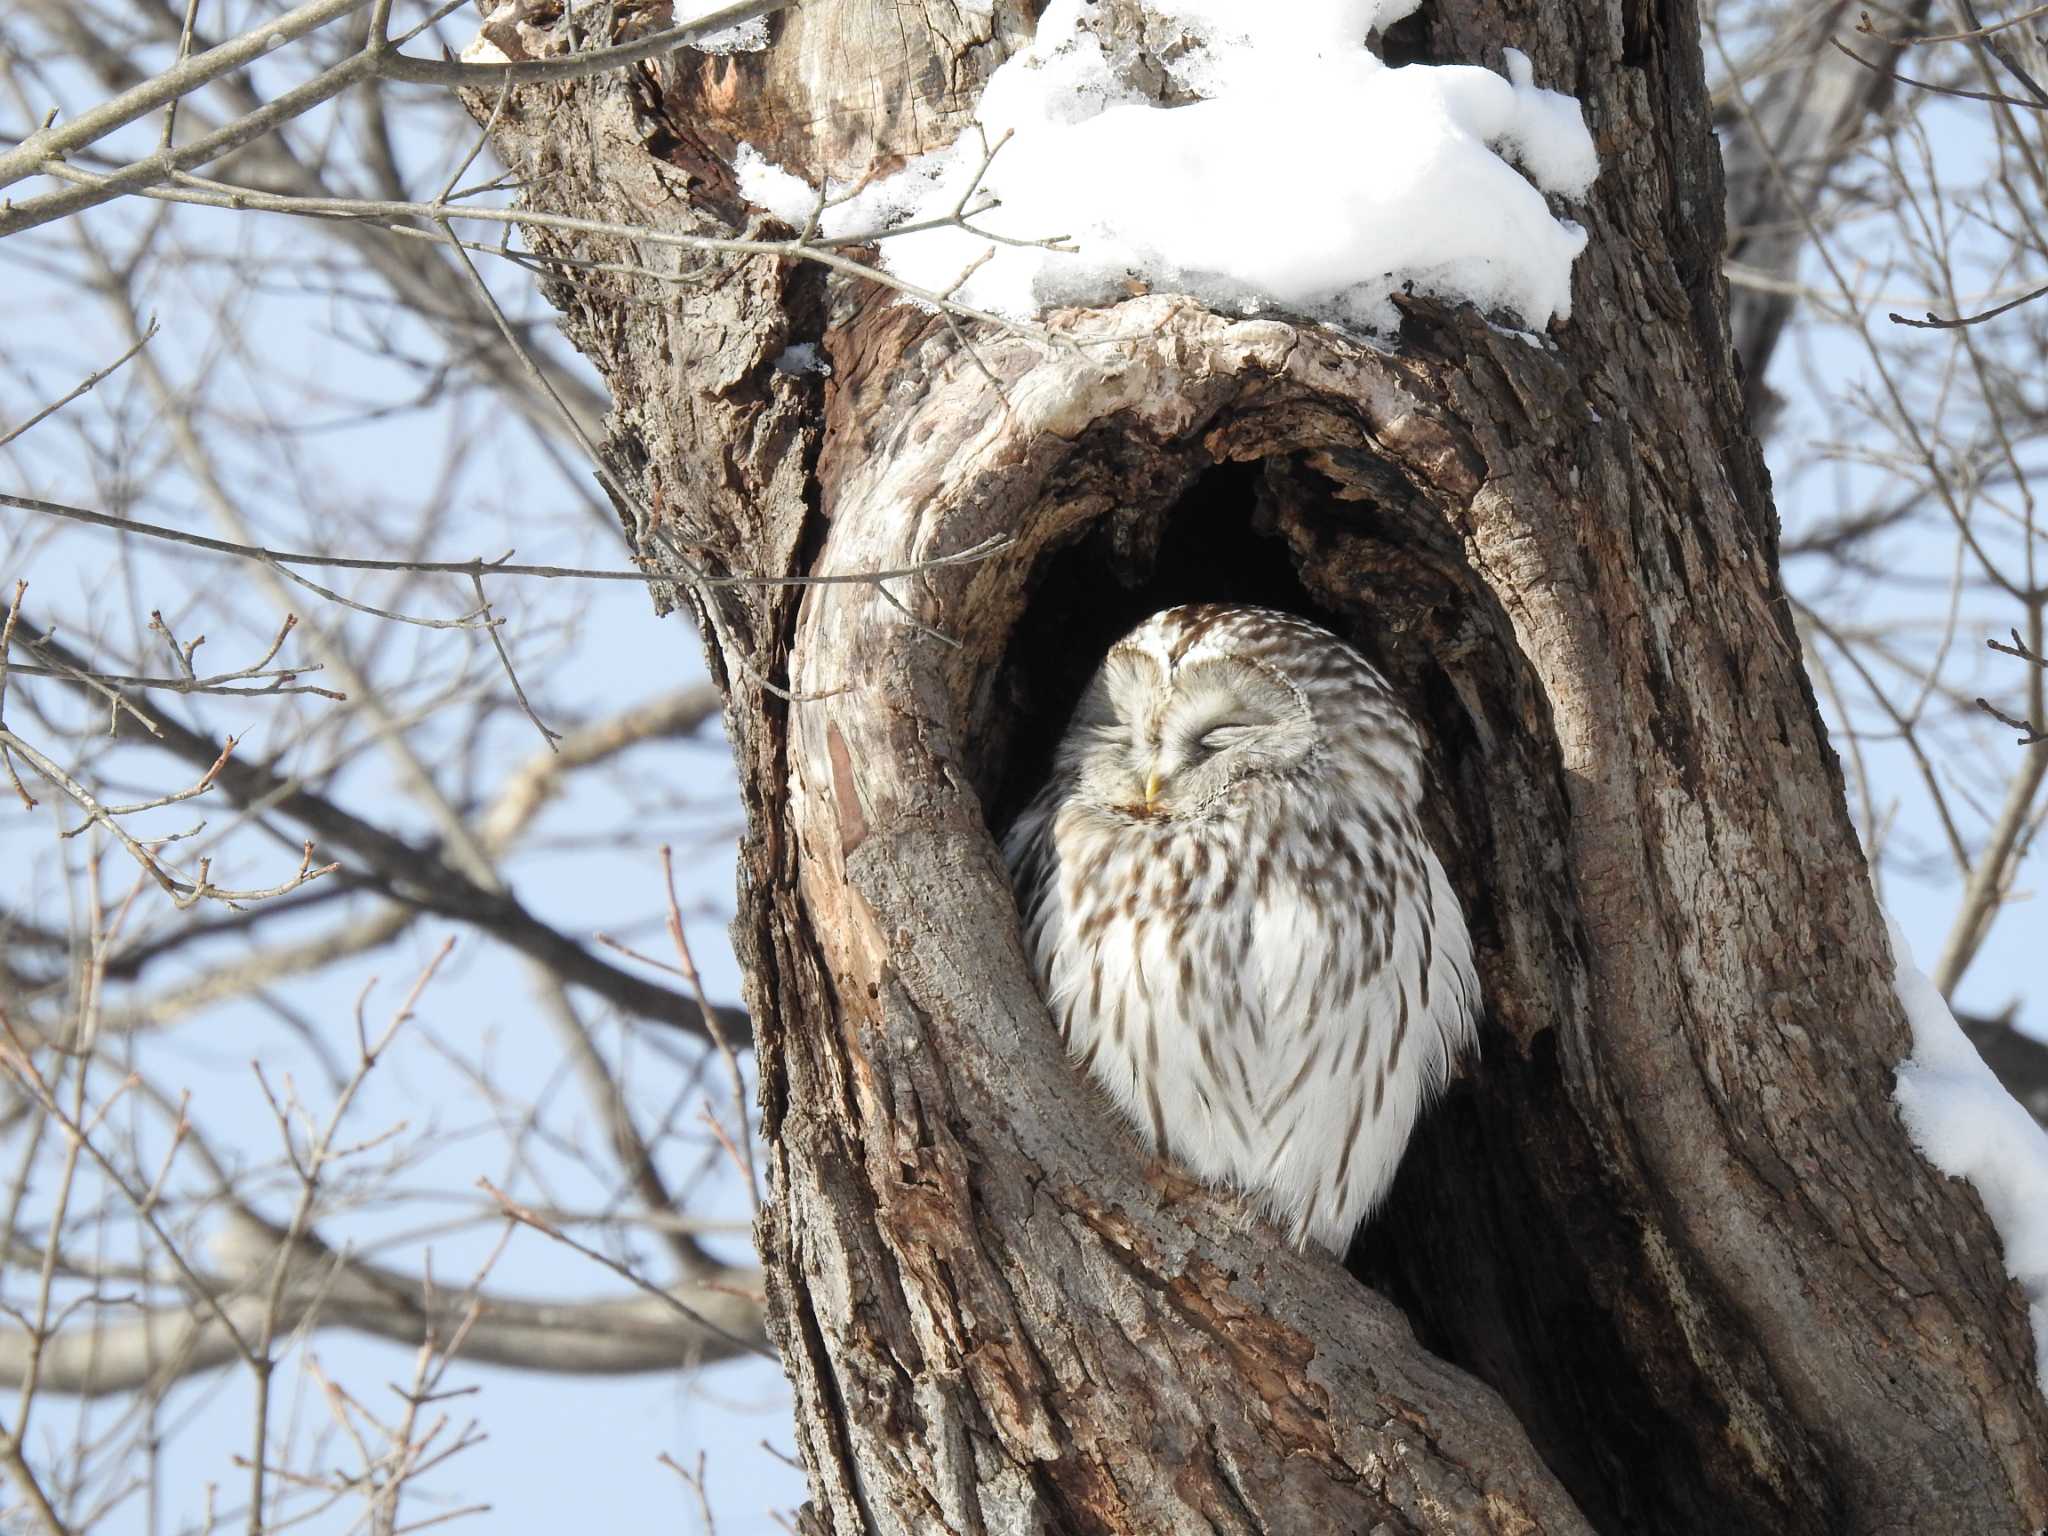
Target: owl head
[(1187, 710)]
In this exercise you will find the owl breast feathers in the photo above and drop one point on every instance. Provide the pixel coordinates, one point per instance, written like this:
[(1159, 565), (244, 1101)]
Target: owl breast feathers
[(1238, 924)]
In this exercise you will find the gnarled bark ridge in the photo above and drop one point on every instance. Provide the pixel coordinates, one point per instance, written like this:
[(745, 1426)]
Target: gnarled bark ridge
[(1690, 1271)]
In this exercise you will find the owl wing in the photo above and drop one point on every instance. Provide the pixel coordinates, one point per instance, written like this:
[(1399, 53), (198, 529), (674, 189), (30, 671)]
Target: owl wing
[(1368, 1001)]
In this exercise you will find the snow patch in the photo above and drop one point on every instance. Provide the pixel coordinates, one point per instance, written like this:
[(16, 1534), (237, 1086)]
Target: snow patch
[(801, 357), (747, 37), (482, 50), (1965, 1123), (1308, 175)]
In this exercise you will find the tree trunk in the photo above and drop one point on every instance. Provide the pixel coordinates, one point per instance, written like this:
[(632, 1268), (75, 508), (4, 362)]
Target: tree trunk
[(1667, 1258)]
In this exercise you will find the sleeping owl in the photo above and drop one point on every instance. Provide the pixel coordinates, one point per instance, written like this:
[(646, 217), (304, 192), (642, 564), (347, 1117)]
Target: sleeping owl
[(1239, 926)]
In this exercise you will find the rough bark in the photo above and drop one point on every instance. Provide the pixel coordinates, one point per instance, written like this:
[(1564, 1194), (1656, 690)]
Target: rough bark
[(1672, 1260)]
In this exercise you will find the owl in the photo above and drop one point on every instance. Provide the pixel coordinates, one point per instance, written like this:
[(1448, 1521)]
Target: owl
[(1238, 924)]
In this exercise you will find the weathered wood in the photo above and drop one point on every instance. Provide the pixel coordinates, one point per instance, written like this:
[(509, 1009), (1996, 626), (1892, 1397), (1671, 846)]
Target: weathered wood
[(1671, 1219), (1129, 1374)]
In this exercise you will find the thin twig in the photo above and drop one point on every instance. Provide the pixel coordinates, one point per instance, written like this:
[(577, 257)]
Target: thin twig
[(2031, 734), (1940, 90), (2017, 649), (183, 893), (695, 1483), (744, 1153), (50, 143), (1996, 46), (43, 151), (28, 801), (92, 379), (32, 1491), (505, 656), (993, 545), (1914, 40), (187, 188), (528, 1217), (1934, 322)]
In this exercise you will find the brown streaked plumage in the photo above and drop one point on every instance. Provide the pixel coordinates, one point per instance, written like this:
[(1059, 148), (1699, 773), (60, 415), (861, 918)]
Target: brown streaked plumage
[(1235, 915)]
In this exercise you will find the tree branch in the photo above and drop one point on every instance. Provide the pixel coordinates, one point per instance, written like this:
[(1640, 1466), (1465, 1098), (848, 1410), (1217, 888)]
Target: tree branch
[(181, 79), (418, 878), (422, 285), (612, 1336), (377, 60), (1807, 118)]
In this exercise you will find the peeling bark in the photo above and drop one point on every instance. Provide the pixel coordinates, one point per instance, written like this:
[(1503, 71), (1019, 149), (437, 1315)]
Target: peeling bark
[(1673, 1262)]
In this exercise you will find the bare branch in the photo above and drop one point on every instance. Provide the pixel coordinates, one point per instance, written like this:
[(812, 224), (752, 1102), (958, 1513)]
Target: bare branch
[(90, 380), (744, 1153), (1909, 40), (423, 287), (707, 1319), (418, 878), (1996, 45), (384, 212), (1997, 97), (25, 1479), (1934, 322), (183, 78), (1781, 150), (375, 60), (575, 66), (992, 545), (528, 1217), (183, 892)]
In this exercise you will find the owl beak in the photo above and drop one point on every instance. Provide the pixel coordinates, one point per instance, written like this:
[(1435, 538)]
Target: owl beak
[(1152, 790)]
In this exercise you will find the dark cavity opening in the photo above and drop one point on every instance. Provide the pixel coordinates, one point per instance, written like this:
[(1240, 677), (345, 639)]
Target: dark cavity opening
[(1207, 547), (1497, 1226), (1278, 532)]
